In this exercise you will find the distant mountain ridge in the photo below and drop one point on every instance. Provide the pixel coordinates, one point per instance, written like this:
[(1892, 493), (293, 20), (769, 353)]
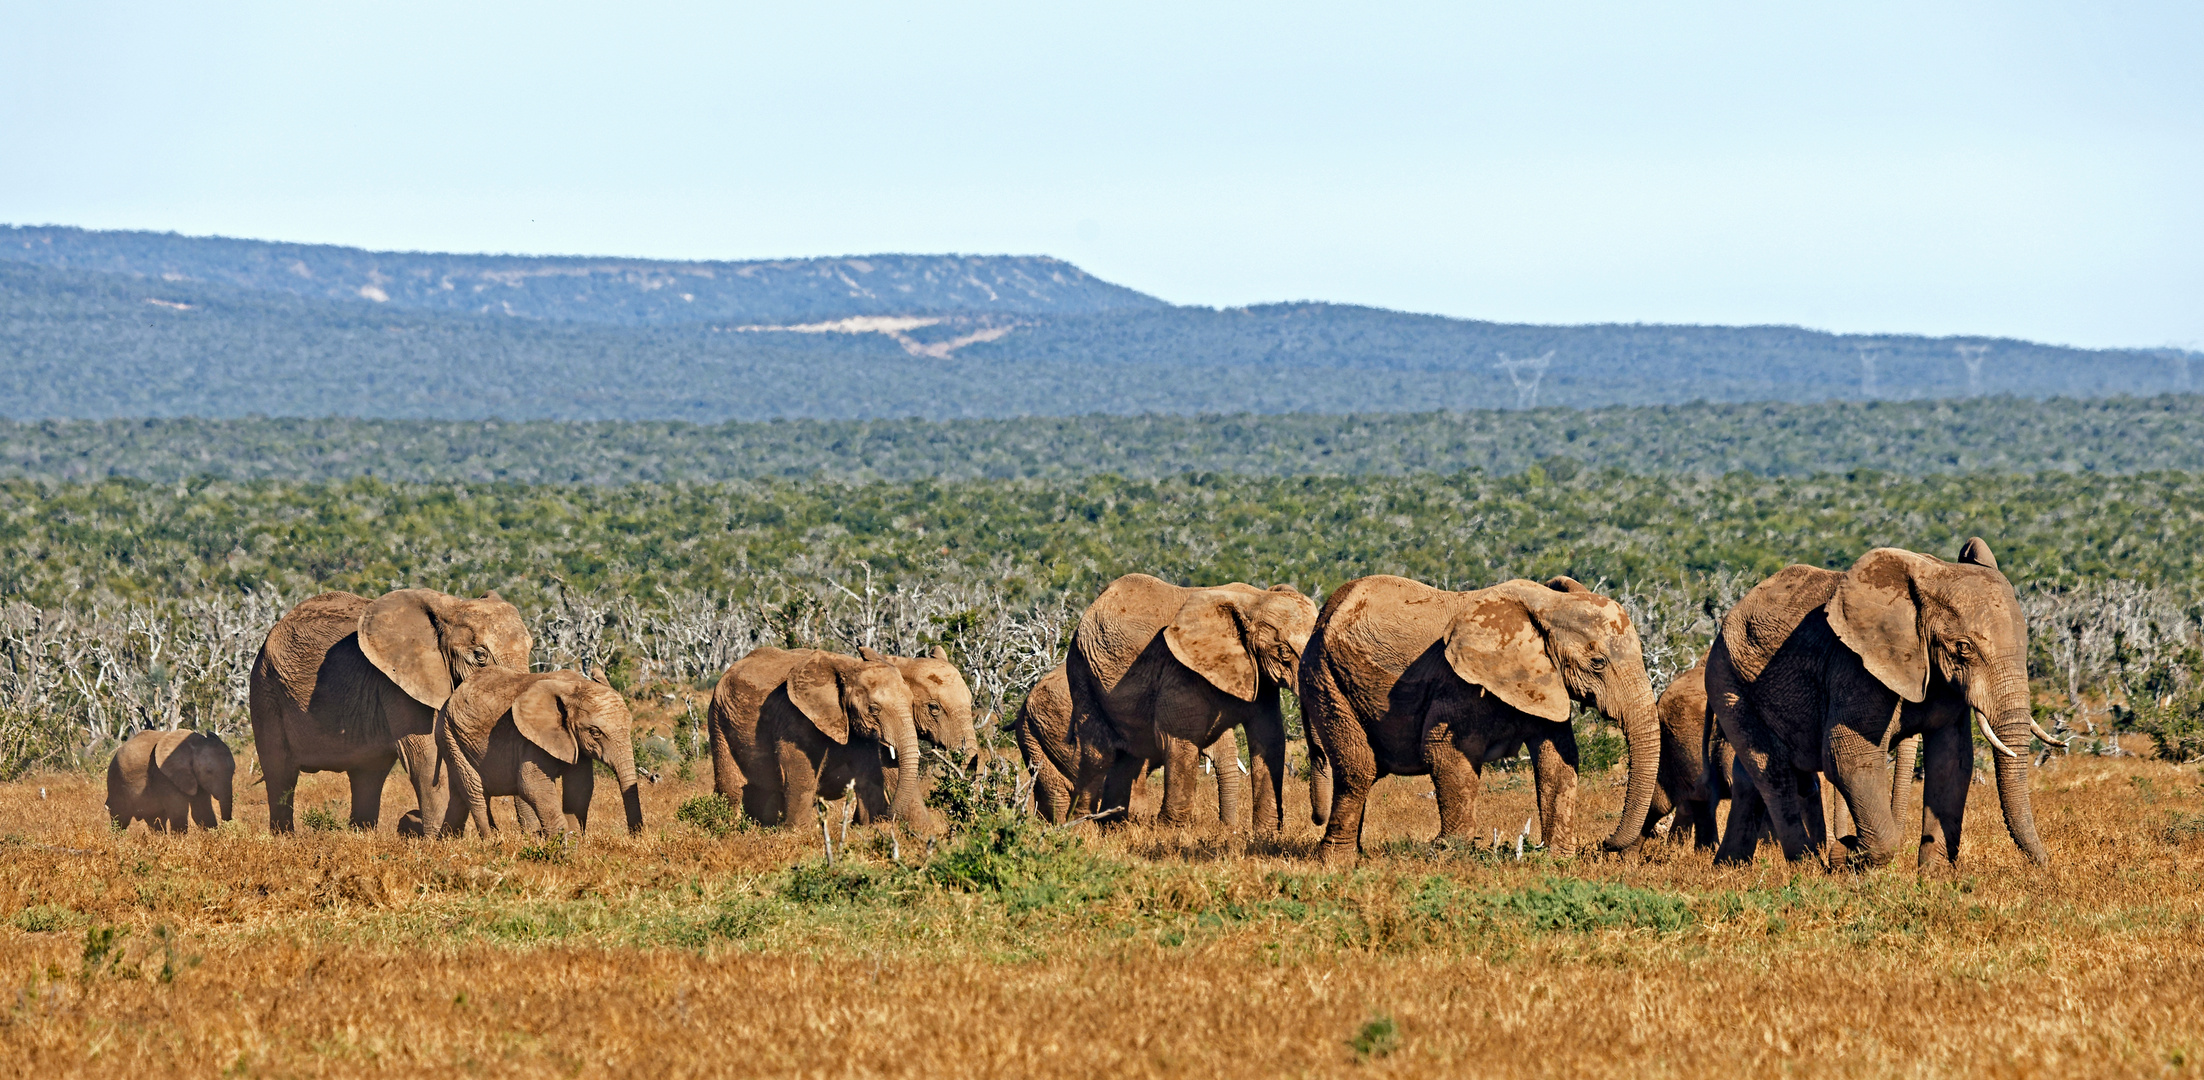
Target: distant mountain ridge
[(112, 325), (611, 291)]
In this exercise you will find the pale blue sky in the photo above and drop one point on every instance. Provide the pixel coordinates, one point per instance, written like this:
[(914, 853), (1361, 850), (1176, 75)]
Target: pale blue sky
[(2025, 169)]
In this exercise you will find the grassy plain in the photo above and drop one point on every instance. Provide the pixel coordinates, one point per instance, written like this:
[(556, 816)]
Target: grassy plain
[(1015, 952)]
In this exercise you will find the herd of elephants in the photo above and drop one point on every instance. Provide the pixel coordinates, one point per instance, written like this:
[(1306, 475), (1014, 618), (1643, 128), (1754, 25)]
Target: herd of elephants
[(1848, 675)]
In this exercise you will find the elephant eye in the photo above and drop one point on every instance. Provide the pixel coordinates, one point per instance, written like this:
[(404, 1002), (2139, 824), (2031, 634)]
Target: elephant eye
[(1963, 647), (1598, 664)]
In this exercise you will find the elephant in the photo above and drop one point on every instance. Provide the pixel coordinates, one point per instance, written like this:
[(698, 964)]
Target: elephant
[(1042, 727), (941, 701), (1821, 671), (1158, 671), (787, 725), (161, 777), (351, 685), (535, 736), (1402, 678)]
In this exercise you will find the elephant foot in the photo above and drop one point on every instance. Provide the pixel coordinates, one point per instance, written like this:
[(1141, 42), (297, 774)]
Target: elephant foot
[(1343, 856), (410, 826)]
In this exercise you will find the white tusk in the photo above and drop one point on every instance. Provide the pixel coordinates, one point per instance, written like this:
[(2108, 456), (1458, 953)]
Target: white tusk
[(2046, 736), (891, 751), (1984, 723)]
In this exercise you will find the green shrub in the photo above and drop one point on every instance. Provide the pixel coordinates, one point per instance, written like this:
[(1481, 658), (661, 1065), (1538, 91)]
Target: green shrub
[(820, 883), (1599, 750), (1579, 906), (44, 918), (1023, 863), (548, 849), (328, 817), (714, 814), (1379, 1037)]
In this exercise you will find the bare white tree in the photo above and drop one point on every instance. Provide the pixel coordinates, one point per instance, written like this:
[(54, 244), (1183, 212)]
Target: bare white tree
[(1868, 360), (1971, 355)]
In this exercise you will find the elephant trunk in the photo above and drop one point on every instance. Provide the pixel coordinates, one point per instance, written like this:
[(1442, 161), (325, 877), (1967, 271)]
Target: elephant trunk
[(1641, 729), (910, 796), (222, 796), (2012, 780), (621, 756), (1232, 783)]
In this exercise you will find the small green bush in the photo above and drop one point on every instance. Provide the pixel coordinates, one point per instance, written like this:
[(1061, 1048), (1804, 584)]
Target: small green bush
[(1023, 863), (1600, 749), (1379, 1037), (43, 918), (328, 817), (715, 814), (548, 849), (1577, 905), (819, 883)]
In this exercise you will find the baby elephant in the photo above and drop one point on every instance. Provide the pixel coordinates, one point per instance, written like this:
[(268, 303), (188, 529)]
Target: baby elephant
[(508, 733), (157, 776)]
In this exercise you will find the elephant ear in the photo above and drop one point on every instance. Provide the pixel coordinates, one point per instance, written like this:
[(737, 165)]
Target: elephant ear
[(398, 633), (542, 713), (866, 652), (1567, 584), (1498, 644), (939, 653), (177, 767), (1206, 636), (1877, 615), (815, 688), (1977, 553)]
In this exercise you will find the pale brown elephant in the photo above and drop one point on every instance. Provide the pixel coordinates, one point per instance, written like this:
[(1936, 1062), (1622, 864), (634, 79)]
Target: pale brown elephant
[(1820, 671), (1403, 679), (1158, 671), (168, 778), (345, 684), (1042, 727), (788, 726), (533, 736)]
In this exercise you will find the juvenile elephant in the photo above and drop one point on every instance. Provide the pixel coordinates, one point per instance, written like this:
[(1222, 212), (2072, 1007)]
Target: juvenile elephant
[(528, 736), (163, 777), (788, 724), (1043, 730), (350, 685), (1403, 679), (1820, 671), (1159, 671)]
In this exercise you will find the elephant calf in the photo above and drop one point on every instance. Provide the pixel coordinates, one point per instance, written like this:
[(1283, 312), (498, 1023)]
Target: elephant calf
[(160, 777), (790, 725), (1042, 727), (525, 735)]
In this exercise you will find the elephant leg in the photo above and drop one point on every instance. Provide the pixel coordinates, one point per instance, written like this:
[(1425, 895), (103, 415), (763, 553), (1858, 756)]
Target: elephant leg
[(367, 794), (1553, 769), (1124, 774), (281, 780), (1266, 753), (1181, 771), (1748, 818), (577, 786), (1860, 774), (874, 802), (1456, 779), (1947, 767), (538, 793), (1777, 785), (202, 811), (431, 788), (799, 784), (1901, 780)]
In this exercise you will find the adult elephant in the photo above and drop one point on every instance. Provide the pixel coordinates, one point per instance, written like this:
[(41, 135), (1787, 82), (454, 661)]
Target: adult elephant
[(787, 725), (169, 779), (1403, 679), (1042, 726), (346, 684), (536, 737), (1158, 671), (1820, 671)]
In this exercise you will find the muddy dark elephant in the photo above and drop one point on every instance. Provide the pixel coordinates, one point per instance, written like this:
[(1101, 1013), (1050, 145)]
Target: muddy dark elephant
[(345, 684), (1158, 671), (1404, 679), (1818, 671), (169, 779), (1042, 726), (790, 726), (536, 737)]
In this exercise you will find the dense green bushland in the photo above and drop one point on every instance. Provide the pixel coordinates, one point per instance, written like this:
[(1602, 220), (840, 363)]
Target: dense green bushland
[(127, 540), (130, 605), (2000, 434)]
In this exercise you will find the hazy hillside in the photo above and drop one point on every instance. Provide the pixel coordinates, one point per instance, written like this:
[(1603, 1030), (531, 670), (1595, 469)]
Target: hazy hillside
[(1981, 435), (621, 292), (244, 333)]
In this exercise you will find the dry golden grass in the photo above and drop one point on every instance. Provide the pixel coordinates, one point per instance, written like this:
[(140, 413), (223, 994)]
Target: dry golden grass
[(1195, 953)]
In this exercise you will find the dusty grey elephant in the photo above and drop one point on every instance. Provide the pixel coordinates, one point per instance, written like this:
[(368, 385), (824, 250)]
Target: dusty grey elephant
[(941, 705), (1819, 671), (1403, 679), (1042, 727), (1158, 671), (534, 736), (344, 684), (165, 778), (788, 726)]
